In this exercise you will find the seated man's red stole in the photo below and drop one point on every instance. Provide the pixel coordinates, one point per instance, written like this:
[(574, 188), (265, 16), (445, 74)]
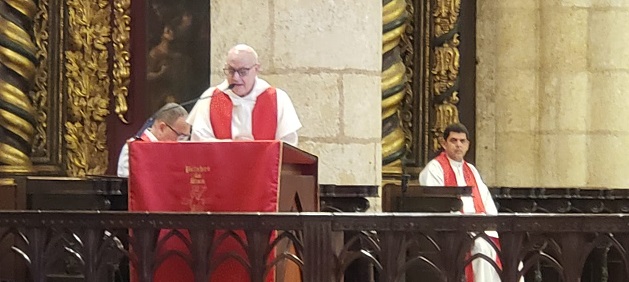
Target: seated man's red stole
[(264, 116), (144, 137), (449, 179)]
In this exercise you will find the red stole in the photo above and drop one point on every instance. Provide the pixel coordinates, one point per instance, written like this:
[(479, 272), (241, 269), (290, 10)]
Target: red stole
[(144, 137), (449, 179), (263, 118)]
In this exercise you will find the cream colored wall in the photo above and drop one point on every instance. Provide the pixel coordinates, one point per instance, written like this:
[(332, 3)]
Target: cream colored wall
[(551, 84), (328, 58)]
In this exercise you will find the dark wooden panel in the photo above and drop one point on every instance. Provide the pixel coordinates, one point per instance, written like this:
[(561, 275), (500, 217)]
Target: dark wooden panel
[(416, 198)]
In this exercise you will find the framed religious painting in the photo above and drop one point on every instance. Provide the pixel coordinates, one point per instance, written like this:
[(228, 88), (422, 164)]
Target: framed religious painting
[(177, 51)]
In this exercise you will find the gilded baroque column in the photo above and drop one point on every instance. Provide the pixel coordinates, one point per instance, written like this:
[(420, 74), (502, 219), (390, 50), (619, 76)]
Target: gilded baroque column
[(17, 72), (394, 84)]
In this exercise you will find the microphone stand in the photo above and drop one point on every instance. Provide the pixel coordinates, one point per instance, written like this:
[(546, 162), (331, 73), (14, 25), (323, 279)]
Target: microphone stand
[(404, 184), (149, 122)]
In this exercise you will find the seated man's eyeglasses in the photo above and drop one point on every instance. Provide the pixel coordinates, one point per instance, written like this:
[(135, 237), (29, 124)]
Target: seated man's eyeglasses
[(180, 136), (241, 71)]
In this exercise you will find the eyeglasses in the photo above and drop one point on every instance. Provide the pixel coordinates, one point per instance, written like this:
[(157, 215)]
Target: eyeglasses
[(240, 71), (180, 136)]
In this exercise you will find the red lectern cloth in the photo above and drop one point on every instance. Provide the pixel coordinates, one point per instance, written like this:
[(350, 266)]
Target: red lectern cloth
[(191, 176)]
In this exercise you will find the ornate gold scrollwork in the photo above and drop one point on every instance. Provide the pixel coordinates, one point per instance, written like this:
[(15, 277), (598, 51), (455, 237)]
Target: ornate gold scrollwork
[(39, 94), (88, 86), (122, 68), (393, 84), (18, 60), (408, 53), (445, 70), (446, 15)]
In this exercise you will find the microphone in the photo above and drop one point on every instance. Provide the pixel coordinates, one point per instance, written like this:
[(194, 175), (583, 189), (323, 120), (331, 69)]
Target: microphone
[(403, 184), (149, 122)]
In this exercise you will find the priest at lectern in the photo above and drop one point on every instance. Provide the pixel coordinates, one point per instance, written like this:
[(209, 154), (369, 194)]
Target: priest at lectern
[(215, 176), (243, 106)]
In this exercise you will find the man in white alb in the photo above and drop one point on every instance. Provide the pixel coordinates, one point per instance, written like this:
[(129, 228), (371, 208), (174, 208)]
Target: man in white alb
[(449, 169), (243, 106)]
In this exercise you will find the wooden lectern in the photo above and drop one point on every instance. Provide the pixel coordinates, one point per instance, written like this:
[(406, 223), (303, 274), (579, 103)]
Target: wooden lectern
[(238, 176), (221, 166), (416, 198), (298, 180)]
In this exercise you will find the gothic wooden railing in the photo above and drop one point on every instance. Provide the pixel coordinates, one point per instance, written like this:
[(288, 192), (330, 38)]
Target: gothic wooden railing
[(392, 243)]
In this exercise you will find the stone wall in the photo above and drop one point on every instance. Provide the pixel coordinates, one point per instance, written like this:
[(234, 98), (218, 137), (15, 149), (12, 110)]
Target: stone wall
[(550, 83), (327, 56)]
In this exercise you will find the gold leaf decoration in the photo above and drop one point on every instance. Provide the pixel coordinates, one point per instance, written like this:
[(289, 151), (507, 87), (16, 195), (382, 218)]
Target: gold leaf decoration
[(445, 69), (39, 94), (408, 53), (122, 67), (88, 82), (446, 16)]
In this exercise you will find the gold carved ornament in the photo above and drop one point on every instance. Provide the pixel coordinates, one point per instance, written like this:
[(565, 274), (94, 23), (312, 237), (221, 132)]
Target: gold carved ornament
[(88, 86), (446, 16), (122, 67), (393, 82), (406, 111), (18, 60), (39, 93), (445, 69)]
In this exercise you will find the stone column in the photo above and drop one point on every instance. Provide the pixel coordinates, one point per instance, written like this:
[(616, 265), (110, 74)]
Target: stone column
[(607, 115), (507, 91), (552, 78), (564, 92)]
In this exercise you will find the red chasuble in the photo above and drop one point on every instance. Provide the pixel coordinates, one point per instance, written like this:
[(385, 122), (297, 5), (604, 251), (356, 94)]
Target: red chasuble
[(213, 176), (264, 116)]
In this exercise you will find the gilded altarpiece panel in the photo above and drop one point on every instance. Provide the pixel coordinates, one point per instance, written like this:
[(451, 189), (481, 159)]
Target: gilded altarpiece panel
[(432, 50), (82, 77), (30, 71), (81, 95)]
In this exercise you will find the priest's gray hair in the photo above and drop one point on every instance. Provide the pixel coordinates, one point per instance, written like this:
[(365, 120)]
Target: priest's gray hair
[(170, 112)]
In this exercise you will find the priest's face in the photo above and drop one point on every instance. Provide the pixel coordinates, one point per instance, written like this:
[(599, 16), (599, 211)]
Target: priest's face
[(177, 131), (456, 145), (241, 70)]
